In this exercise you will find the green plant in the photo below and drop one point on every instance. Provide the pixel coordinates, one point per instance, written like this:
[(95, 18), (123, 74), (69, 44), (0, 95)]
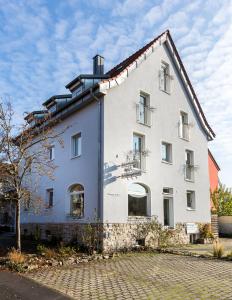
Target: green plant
[(222, 201), (218, 249), (90, 237), (66, 251), (205, 231), (40, 249), (46, 252), (17, 267)]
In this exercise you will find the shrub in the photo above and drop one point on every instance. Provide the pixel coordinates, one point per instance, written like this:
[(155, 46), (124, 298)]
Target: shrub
[(41, 249), (66, 251), (218, 249), (156, 234), (16, 260), (16, 257), (206, 231), (46, 252), (90, 238), (222, 200)]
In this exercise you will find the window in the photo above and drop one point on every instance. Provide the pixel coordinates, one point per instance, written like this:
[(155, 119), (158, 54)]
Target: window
[(51, 151), (50, 197), (191, 200), (168, 207), (144, 110), (137, 200), (77, 201), (166, 152), (76, 145), (184, 126), (164, 76), (168, 191), (138, 148), (189, 165)]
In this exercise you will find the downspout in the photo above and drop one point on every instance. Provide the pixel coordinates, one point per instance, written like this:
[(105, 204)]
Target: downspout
[(100, 204)]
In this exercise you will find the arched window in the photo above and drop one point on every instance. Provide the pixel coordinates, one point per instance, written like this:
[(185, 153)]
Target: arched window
[(77, 200), (137, 200)]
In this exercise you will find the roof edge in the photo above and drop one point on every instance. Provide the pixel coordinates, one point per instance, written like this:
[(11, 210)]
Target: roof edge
[(214, 160)]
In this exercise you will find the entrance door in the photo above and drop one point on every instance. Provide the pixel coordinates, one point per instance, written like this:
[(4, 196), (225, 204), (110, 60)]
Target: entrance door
[(168, 212)]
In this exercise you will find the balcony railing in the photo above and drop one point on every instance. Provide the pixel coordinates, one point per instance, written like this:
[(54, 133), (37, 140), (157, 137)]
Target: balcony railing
[(189, 172), (143, 114), (184, 131)]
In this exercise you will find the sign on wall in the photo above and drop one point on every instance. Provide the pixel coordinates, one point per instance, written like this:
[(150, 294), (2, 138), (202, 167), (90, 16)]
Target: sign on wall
[(192, 228)]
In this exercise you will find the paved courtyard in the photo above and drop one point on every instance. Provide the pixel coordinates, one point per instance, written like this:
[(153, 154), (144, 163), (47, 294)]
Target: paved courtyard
[(142, 276)]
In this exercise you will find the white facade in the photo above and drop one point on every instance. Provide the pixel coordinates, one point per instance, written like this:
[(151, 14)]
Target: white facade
[(105, 146)]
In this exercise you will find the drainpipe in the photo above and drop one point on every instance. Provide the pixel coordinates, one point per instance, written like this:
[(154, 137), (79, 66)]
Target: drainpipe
[(100, 204)]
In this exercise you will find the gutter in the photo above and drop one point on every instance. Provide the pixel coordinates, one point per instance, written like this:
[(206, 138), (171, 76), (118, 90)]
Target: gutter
[(100, 148)]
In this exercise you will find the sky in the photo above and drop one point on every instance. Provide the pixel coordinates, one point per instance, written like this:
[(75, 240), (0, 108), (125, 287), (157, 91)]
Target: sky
[(46, 43)]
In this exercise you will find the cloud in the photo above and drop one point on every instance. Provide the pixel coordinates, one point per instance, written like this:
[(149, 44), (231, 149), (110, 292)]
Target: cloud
[(45, 44)]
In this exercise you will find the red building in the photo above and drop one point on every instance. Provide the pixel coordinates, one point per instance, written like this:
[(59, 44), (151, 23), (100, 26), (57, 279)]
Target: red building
[(213, 172)]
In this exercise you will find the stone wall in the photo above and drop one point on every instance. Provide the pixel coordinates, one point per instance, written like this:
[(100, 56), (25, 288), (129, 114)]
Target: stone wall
[(112, 237), (119, 236)]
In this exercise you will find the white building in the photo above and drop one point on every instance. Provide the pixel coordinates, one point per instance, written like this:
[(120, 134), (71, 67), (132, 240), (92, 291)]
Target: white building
[(136, 147)]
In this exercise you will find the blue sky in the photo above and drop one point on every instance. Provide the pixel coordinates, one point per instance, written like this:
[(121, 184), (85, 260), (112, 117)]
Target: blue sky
[(46, 43)]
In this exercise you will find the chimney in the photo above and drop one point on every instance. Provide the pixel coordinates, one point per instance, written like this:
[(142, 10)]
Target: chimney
[(98, 65)]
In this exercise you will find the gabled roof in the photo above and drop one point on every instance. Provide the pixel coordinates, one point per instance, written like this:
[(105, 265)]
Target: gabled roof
[(121, 71), (115, 71), (214, 160)]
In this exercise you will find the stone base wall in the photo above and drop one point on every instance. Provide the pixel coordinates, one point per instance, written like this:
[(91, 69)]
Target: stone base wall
[(120, 236), (112, 237), (64, 231)]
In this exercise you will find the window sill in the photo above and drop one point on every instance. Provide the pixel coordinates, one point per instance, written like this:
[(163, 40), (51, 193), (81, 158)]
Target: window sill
[(167, 162), (190, 209), (73, 157), (189, 180), (69, 216), (138, 218), (147, 125), (166, 92), (184, 139)]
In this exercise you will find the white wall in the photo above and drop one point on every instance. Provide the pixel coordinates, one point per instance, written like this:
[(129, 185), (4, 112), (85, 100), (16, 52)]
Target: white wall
[(119, 125), (83, 169)]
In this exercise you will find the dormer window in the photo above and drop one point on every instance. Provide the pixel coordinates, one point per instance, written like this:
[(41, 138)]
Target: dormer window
[(164, 77)]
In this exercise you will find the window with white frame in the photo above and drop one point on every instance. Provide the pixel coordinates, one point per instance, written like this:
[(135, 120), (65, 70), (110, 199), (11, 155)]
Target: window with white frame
[(138, 149), (144, 110), (166, 150), (76, 145), (137, 200), (164, 77), (184, 126), (51, 152), (191, 201), (50, 196), (189, 165), (77, 201)]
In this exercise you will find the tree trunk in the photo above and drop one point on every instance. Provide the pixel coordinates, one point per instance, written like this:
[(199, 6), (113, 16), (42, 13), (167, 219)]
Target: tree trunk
[(18, 234)]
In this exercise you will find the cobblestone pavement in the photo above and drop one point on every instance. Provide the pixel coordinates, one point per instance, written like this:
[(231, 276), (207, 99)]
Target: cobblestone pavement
[(142, 276)]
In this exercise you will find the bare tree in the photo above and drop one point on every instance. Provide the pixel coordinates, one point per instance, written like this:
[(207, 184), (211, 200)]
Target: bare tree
[(24, 150)]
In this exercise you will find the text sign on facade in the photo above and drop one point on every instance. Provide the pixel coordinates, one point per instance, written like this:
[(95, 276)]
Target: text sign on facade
[(192, 228)]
